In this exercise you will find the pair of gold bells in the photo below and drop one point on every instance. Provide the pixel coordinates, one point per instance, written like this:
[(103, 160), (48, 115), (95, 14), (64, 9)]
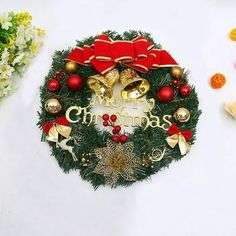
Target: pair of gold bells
[(133, 86)]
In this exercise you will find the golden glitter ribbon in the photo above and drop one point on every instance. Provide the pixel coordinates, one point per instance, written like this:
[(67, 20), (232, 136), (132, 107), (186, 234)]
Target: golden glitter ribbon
[(179, 137)]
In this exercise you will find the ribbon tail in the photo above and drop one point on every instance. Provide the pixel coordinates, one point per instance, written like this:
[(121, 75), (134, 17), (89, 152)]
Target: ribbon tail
[(52, 134), (184, 146), (76, 55), (172, 140), (63, 130)]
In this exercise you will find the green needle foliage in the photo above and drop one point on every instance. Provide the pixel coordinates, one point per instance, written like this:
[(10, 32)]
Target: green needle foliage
[(144, 140)]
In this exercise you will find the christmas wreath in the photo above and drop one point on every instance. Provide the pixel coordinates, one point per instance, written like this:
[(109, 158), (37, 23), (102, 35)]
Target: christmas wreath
[(118, 108)]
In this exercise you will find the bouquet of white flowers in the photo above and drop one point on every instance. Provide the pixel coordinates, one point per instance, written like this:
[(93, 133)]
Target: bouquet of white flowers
[(19, 43)]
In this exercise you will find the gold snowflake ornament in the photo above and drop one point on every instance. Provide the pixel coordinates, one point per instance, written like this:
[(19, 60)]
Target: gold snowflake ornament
[(116, 160)]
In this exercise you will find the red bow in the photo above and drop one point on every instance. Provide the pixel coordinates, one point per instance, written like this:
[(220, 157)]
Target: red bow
[(173, 129), (104, 54), (59, 121)]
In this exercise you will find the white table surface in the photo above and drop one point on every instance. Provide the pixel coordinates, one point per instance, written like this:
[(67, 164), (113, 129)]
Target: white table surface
[(195, 196)]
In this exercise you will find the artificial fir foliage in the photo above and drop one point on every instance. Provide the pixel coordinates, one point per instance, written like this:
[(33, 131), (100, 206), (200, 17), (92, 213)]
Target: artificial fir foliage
[(86, 139)]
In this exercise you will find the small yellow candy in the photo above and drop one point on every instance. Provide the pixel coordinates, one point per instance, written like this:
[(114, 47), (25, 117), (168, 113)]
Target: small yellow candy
[(232, 34)]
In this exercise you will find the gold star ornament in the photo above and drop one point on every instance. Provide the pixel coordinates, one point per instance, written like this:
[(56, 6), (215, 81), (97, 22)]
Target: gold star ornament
[(116, 160)]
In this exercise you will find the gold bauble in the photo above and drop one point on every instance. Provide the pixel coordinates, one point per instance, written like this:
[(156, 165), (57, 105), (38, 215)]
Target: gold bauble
[(71, 67), (232, 34), (182, 115), (53, 106), (176, 72)]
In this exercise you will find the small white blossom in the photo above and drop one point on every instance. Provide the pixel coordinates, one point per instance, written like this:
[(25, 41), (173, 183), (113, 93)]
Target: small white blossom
[(18, 58), (5, 71), (29, 33), (5, 88), (5, 57), (5, 21), (20, 37), (35, 46)]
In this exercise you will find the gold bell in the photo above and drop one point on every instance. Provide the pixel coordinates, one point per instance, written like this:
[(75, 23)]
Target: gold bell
[(103, 85), (133, 86)]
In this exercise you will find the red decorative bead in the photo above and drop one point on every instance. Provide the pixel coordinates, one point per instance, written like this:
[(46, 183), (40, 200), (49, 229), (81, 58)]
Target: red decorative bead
[(105, 123), (165, 94), (175, 81), (117, 128), (58, 72), (105, 117), (113, 117), (123, 138), (75, 82), (53, 85), (115, 138), (185, 91), (114, 131)]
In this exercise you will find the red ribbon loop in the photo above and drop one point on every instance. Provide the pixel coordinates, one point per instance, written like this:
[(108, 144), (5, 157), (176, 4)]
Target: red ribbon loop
[(173, 129), (104, 54), (60, 121)]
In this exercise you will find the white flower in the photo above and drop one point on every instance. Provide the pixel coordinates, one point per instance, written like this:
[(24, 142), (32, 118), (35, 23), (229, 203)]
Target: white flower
[(30, 33), (4, 57), (5, 21), (5, 88), (18, 59), (26, 59), (23, 58), (20, 37), (25, 34), (5, 71), (35, 46)]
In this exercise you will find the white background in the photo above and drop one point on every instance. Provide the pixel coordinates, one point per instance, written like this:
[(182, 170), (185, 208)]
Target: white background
[(196, 196)]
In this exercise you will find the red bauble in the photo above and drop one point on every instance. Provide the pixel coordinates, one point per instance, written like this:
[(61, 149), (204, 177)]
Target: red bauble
[(185, 90), (123, 138), (165, 94), (74, 82), (53, 85)]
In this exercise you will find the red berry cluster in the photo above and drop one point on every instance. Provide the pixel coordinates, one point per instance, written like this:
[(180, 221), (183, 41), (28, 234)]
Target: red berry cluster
[(110, 121), (178, 83), (181, 85)]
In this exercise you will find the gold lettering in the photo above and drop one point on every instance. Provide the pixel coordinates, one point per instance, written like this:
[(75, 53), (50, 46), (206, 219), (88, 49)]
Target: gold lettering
[(68, 113)]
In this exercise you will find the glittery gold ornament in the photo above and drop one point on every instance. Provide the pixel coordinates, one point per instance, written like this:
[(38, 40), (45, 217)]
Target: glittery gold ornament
[(53, 106), (232, 34), (176, 72), (182, 115), (149, 160), (71, 67), (103, 85), (116, 160)]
